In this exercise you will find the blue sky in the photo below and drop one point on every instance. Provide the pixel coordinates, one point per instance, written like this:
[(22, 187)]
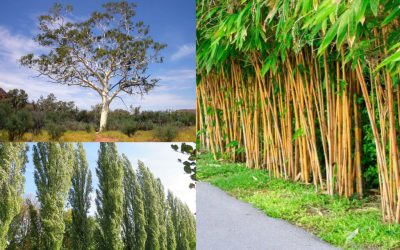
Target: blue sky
[(158, 157), (171, 22)]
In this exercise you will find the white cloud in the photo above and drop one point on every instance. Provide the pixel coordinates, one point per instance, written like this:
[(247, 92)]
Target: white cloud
[(183, 51), (14, 46)]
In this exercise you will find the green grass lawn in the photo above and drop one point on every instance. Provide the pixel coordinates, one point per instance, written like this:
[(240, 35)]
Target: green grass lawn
[(332, 218)]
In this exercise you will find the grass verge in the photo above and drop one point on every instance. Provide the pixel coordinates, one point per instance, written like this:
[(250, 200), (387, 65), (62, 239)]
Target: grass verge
[(331, 218)]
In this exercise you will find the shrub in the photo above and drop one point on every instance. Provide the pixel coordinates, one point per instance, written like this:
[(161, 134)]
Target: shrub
[(96, 127), (147, 125), (88, 128), (81, 115), (129, 128), (38, 118), (19, 124), (3, 119), (166, 133), (112, 125), (56, 131), (75, 126), (179, 124), (6, 110)]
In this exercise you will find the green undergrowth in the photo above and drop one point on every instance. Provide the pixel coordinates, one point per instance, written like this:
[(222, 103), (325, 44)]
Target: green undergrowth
[(332, 218)]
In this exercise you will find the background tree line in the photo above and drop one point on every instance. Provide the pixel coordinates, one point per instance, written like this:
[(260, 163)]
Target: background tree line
[(132, 209), (18, 116)]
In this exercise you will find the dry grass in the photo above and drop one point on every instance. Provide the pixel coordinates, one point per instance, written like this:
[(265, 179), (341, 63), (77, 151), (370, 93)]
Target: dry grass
[(185, 135), (69, 136)]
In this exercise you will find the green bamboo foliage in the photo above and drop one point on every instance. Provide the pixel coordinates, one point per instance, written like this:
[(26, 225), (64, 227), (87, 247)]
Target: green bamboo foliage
[(280, 85), (53, 168), (12, 183)]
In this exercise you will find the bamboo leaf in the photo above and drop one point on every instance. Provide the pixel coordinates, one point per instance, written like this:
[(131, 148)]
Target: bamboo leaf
[(391, 16), (298, 133), (329, 37), (393, 58), (374, 7), (352, 27), (342, 30), (232, 144), (394, 47), (315, 4)]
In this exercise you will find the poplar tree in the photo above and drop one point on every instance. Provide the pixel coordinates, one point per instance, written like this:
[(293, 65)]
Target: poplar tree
[(12, 182), (34, 228), (150, 207), (171, 241), (53, 167), (79, 198), (190, 226), (133, 222), (109, 201), (161, 214), (173, 205), (183, 242)]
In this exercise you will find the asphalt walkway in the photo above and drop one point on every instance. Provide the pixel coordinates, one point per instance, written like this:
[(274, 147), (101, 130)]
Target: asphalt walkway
[(225, 223)]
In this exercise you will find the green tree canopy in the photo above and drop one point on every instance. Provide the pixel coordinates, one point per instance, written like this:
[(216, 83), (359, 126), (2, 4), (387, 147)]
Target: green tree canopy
[(90, 53), (109, 200), (13, 159)]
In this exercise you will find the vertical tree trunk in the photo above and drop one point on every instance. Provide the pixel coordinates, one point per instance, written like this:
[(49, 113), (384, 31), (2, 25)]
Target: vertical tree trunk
[(104, 113)]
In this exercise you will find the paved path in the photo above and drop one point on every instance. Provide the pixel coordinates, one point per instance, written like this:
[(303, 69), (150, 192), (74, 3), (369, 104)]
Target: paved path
[(224, 223)]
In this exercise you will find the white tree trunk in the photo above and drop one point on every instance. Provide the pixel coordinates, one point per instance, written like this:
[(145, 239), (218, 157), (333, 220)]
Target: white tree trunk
[(104, 114)]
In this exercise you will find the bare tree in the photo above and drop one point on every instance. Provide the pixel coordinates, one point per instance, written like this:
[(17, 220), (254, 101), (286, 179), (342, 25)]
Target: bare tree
[(90, 53)]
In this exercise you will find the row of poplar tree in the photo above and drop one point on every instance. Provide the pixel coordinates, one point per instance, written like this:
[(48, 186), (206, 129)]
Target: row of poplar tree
[(133, 211)]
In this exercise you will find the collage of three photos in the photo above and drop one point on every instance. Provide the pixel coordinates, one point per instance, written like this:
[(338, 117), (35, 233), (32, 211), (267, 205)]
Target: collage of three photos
[(206, 124)]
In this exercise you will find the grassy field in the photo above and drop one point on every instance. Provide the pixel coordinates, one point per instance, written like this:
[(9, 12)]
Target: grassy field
[(185, 135), (333, 219)]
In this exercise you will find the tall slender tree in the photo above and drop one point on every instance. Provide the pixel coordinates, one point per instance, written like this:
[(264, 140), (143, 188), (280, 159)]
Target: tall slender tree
[(183, 241), (161, 213), (134, 221), (109, 201), (12, 182), (34, 227), (171, 241), (53, 167), (173, 205), (150, 207), (79, 198), (191, 226)]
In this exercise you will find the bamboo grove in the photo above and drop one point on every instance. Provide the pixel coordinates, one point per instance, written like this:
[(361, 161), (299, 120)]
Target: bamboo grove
[(282, 85), (132, 208)]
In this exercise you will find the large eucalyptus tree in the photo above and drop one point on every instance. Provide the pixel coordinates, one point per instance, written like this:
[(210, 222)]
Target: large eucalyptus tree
[(91, 53)]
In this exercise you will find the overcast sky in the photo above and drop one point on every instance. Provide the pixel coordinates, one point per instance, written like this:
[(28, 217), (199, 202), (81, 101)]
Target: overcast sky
[(171, 22), (158, 157)]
